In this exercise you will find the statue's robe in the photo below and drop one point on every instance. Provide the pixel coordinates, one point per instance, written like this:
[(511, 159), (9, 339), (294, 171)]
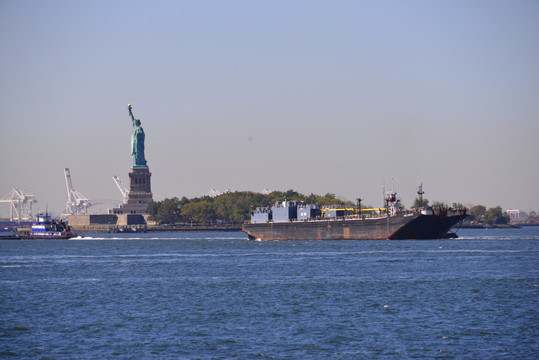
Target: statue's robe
[(137, 146)]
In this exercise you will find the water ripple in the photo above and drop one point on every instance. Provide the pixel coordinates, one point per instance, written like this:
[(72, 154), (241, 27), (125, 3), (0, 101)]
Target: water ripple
[(204, 296)]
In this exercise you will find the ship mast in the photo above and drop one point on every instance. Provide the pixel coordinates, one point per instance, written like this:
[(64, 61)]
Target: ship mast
[(420, 193)]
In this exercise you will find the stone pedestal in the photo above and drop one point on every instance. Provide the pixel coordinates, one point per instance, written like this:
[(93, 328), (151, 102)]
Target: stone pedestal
[(140, 192)]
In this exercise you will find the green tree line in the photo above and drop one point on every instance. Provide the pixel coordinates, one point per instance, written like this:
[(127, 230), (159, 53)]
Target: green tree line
[(236, 207), (479, 213), (493, 215), (229, 208)]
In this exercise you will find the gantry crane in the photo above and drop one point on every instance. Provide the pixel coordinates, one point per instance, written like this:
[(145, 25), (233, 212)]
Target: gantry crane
[(77, 203), (21, 205), (121, 186)]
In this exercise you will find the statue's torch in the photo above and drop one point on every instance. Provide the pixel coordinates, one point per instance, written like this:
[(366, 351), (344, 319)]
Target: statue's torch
[(130, 112)]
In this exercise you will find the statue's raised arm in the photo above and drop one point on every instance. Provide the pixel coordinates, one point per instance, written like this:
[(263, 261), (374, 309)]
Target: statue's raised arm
[(131, 113)]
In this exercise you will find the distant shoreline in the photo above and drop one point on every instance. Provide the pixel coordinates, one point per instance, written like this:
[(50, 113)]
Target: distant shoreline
[(153, 228), (100, 229), (236, 228)]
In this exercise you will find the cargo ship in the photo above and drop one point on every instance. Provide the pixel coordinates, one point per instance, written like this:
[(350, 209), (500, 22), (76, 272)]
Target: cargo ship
[(291, 220)]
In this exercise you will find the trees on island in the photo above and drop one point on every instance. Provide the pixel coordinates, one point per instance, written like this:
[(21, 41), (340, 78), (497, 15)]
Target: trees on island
[(479, 213), (496, 216), (236, 207), (229, 208), (418, 203), (166, 211), (493, 215)]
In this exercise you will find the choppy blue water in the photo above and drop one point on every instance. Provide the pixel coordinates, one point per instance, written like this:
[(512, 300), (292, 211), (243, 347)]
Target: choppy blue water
[(221, 296)]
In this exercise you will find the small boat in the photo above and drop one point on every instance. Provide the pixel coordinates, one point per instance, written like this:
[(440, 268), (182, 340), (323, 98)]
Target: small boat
[(43, 227)]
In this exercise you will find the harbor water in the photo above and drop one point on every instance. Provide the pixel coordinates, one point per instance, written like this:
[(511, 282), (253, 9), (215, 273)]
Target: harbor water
[(222, 296)]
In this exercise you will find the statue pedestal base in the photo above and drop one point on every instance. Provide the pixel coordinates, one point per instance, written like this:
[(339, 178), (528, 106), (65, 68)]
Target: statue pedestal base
[(140, 193)]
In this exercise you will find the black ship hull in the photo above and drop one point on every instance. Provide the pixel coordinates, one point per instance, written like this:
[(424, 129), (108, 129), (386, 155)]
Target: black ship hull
[(397, 227), (28, 236)]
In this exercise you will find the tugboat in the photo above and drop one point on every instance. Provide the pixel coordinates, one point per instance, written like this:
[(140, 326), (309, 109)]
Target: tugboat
[(44, 227)]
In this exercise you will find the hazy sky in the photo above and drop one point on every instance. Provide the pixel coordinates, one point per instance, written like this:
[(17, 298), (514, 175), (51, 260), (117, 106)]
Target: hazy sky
[(315, 96)]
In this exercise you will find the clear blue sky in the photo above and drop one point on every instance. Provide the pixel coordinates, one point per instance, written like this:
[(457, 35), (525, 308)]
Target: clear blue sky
[(315, 96)]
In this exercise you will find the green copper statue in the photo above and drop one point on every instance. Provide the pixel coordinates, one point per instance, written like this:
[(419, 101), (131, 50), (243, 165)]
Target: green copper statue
[(137, 142)]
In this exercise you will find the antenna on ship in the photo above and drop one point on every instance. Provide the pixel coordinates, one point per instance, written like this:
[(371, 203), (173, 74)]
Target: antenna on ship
[(420, 193)]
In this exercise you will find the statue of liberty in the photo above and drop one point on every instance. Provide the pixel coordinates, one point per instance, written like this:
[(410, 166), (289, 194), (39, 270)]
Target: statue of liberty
[(137, 143)]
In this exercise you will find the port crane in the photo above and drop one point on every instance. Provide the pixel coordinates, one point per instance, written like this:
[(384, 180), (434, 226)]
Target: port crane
[(121, 187), (77, 203), (20, 204), (213, 193)]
